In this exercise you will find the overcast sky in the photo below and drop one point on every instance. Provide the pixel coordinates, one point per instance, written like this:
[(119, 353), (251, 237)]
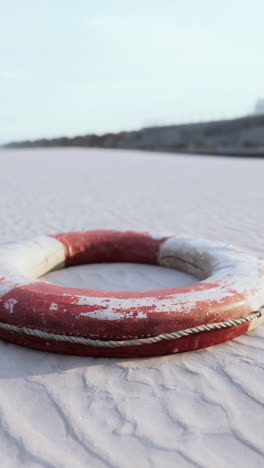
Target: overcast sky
[(72, 67)]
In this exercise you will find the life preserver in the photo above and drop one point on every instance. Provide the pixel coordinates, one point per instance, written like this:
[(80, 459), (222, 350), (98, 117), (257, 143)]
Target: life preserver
[(225, 302)]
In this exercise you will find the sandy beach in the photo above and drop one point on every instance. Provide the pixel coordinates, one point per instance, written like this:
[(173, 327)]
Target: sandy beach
[(202, 408)]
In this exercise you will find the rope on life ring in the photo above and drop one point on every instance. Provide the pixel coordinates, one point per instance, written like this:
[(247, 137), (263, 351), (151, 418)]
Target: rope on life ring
[(132, 342), (225, 303)]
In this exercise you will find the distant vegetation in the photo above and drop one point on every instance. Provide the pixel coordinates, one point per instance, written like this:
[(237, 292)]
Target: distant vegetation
[(245, 134)]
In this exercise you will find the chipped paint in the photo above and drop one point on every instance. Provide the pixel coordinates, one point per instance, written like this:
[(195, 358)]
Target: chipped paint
[(9, 305), (111, 314)]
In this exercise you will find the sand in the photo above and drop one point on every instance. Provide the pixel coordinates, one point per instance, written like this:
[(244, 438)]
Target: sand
[(202, 408)]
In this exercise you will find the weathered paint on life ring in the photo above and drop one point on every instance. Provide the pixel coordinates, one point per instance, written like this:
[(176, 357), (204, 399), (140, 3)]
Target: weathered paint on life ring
[(231, 286)]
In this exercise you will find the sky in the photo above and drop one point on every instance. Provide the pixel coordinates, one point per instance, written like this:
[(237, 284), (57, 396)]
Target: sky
[(76, 67)]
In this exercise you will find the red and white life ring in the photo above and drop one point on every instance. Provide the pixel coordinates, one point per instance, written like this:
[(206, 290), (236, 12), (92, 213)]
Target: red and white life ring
[(223, 305)]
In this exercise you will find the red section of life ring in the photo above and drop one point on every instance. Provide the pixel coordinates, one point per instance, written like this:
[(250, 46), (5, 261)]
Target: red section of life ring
[(40, 315)]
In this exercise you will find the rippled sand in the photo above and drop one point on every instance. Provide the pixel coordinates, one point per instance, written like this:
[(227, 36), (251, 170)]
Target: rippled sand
[(202, 408)]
